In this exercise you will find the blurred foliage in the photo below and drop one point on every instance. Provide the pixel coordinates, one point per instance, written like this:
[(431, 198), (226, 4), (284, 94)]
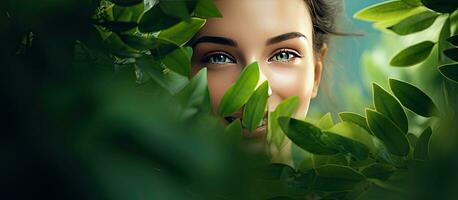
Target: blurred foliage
[(99, 104)]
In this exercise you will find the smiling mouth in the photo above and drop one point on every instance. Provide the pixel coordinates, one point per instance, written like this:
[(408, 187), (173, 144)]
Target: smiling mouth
[(260, 130)]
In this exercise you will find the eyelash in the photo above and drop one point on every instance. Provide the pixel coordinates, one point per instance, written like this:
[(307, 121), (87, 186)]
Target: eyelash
[(293, 54), (208, 58)]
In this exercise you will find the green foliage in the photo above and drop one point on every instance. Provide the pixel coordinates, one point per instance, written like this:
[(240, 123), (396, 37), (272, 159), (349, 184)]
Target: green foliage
[(413, 98), (255, 108), (389, 106), (415, 23), (450, 71), (413, 55), (286, 108)]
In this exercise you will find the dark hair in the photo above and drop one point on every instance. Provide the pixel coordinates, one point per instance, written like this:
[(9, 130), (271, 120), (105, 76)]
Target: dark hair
[(324, 14)]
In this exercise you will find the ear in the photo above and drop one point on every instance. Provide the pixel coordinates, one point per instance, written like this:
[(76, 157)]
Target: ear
[(319, 60)]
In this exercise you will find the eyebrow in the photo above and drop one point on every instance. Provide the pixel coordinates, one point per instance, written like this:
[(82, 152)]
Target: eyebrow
[(283, 37), (215, 39)]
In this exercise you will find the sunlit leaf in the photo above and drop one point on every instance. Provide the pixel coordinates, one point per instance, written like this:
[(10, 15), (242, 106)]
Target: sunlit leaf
[(413, 55), (182, 32), (378, 171), (333, 178), (193, 95), (155, 20), (355, 119), (384, 129), (388, 10), (285, 109), (326, 121), (450, 71), (179, 61), (453, 40), (413, 98), (421, 150), (415, 23), (413, 2), (389, 106), (255, 108), (239, 93), (126, 2), (207, 9), (452, 53), (442, 6)]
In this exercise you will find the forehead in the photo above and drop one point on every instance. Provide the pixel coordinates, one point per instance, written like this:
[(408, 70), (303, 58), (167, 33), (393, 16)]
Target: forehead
[(259, 19)]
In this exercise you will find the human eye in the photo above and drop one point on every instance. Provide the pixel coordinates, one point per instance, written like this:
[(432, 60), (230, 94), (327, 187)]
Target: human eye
[(218, 58), (284, 55)]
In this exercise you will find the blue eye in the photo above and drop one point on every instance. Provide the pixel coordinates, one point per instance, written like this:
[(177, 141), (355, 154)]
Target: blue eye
[(284, 56), (218, 58)]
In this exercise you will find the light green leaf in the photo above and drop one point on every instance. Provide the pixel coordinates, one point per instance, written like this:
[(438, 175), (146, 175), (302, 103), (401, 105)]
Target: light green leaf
[(326, 121), (354, 132), (336, 178), (180, 9), (388, 10), (357, 150), (413, 55), (378, 171), (234, 128), (182, 32), (155, 20), (179, 61), (413, 2), (413, 98), (207, 9), (384, 129), (442, 6), (126, 2), (415, 23), (453, 40), (452, 53), (389, 106), (355, 119), (450, 71), (239, 93), (193, 95), (306, 135), (285, 109), (421, 151), (255, 108)]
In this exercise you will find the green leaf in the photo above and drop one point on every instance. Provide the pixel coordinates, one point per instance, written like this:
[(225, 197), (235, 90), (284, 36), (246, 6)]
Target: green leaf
[(450, 71), (413, 55), (126, 2), (355, 119), (180, 9), (388, 10), (421, 151), (326, 121), (415, 23), (119, 48), (334, 178), (306, 135), (255, 108), (239, 93), (179, 61), (384, 129), (182, 32), (413, 98), (127, 14), (346, 145), (413, 2), (193, 95), (354, 132), (234, 128), (452, 53), (276, 171), (442, 6), (453, 40), (155, 20), (442, 43), (207, 9), (379, 171), (285, 109), (118, 27), (389, 106)]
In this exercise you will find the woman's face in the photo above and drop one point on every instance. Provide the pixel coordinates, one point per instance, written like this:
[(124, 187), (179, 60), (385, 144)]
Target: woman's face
[(275, 33)]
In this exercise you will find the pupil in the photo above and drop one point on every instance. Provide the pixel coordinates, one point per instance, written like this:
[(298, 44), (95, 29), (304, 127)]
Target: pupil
[(220, 58)]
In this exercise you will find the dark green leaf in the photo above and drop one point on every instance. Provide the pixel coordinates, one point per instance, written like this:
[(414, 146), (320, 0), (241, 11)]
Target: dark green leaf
[(453, 40), (384, 129), (415, 23), (442, 44), (179, 61), (255, 108), (193, 95), (326, 121), (412, 139), (442, 6), (239, 93), (333, 178), (155, 20), (285, 109), (354, 132), (127, 14), (450, 71), (355, 119), (119, 48), (421, 150), (126, 2), (277, 171), (389, 106), (306, 135), (235, 128), (413, 98), (413, 55), (206, 9), (143, 41), (118, 27), (388, 10), (182, 32), (452, 53), (378, 171), (346, 145), (180, 9)]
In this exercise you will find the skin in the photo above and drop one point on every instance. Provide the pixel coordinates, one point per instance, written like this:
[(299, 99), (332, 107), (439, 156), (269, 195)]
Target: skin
[(277, 34)]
